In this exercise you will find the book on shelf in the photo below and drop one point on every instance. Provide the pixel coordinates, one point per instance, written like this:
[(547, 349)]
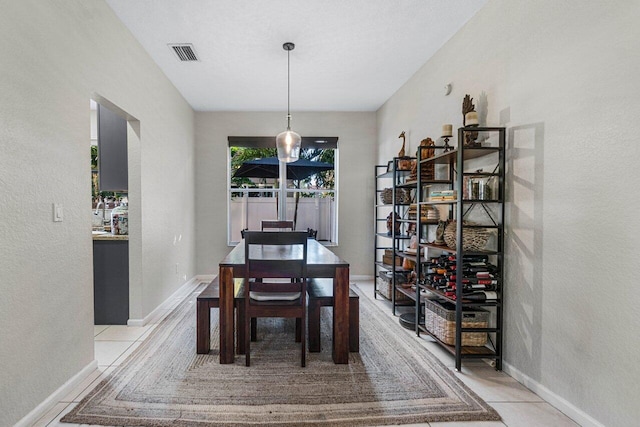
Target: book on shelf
[(443, 193)]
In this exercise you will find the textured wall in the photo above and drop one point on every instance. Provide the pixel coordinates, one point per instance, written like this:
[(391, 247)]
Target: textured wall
[(357, 151), (55, 56), (562, 76)]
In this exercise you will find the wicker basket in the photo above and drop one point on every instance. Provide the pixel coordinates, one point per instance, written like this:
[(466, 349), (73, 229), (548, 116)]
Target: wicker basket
[(384, 287), (427, 170), (440, 319), (473, 239), (402, 196)]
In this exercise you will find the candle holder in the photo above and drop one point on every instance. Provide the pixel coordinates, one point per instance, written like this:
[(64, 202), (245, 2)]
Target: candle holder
[(446, 147), (471, 120)]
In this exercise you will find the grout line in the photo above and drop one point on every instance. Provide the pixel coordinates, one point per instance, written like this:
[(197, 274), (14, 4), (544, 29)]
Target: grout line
[(57, 414), (94, 337)]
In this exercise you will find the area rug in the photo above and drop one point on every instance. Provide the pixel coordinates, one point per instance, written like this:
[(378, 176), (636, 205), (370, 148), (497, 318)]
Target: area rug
[(392, 380)]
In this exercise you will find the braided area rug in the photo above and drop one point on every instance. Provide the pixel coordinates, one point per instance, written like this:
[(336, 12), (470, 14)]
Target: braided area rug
[(393, 380)]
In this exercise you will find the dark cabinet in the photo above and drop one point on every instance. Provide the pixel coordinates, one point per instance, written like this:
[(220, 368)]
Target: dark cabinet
[(112, 151), (111, 282)]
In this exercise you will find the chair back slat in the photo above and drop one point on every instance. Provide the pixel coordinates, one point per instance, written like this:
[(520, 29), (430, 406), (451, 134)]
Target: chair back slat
[(259, 269), (277, 225), (275, 254)]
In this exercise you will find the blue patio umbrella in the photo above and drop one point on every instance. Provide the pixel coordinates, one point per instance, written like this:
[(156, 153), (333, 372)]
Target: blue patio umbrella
[(268, 167)]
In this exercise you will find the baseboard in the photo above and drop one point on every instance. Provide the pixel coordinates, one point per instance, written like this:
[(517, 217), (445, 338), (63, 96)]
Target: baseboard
[(567, 408), (56, 396), (206, 277), (180, 293)]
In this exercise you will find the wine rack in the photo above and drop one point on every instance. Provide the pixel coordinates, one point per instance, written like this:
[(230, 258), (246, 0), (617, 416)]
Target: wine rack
[(462, 274)]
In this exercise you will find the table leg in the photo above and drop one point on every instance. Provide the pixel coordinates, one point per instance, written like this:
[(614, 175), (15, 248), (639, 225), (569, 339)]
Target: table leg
[(341, 316), (203, 327), (226, 315)]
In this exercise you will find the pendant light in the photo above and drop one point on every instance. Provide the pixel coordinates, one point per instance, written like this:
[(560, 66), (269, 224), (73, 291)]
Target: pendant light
[(288, 142)]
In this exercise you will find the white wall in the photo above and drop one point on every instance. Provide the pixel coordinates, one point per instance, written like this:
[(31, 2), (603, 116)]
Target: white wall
[(357, 153), (55, 56), (563, 77)]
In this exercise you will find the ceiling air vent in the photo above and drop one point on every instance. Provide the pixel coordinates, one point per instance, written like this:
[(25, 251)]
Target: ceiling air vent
[(184, 51)]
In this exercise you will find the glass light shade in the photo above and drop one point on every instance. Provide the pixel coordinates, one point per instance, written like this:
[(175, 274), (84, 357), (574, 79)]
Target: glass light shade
[(288, 144)]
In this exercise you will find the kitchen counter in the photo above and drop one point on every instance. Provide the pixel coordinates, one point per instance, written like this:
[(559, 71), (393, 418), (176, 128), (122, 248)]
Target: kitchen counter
[(109, 236)]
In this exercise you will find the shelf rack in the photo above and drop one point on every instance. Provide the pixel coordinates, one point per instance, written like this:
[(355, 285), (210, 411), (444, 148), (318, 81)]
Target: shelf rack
[(453, 162)]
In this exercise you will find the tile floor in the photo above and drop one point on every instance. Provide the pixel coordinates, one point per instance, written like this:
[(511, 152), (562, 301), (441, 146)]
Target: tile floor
[(518, 406)]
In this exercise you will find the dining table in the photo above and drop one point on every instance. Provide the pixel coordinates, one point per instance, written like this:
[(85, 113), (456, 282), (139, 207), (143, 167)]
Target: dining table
[(321, 263)]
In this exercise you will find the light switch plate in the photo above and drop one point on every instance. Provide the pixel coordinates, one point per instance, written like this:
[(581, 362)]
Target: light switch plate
[(58, 212)]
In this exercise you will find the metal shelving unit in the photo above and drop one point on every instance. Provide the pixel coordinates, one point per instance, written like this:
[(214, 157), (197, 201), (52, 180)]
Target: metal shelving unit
[(490, 210), (389, 176)]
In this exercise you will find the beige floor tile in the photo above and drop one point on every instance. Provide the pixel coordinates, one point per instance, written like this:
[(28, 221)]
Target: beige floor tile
[(108, 351), (495, 386), (469, 424), (159, 315), (98, 329), (414, 425), (537, 414), (70, 397), (50, 415), (126, 353), (56, 421), (122, 333), (104, 373), (150, 329)]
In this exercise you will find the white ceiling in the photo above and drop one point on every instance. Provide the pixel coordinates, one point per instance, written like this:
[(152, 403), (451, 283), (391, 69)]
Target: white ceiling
[(350, 55)]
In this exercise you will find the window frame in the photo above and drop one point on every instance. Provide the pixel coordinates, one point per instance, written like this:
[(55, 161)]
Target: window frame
[(269, 142)]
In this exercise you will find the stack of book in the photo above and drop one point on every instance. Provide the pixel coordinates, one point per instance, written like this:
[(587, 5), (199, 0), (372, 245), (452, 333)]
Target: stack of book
[(443, 195), (427, 213)]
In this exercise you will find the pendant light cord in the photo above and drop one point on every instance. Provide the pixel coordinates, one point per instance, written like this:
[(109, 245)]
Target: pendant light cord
[(288, 89)]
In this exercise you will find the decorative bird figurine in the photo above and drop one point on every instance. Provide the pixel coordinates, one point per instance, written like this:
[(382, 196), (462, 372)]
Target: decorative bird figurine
[(401, 153)]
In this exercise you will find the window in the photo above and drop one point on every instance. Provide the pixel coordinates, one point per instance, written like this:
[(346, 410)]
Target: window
[(254, 188)]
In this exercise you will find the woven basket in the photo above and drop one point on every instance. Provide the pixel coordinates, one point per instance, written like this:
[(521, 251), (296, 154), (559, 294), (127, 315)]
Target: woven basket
[(402, 196), (473, 239), (440, 320), (384, 287), (427, 170)]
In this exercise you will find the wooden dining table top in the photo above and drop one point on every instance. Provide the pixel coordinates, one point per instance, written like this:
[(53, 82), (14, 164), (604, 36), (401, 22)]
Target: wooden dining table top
[(320, 261)]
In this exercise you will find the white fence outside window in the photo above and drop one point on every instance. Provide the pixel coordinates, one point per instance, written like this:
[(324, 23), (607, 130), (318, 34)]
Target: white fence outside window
[(247, 212)]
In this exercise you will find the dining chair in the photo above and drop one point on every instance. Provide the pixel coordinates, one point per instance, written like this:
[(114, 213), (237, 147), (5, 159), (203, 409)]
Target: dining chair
[(313, 234), (277, 225), (269, 256)]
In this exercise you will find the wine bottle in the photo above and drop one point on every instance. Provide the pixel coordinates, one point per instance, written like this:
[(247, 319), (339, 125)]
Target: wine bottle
[(474, 280), (468, 288), (484, 275), (482, 296)]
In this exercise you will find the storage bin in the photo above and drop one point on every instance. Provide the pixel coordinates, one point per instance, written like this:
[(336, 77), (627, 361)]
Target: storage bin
[(440, 319), (384, 287), (387, 258)]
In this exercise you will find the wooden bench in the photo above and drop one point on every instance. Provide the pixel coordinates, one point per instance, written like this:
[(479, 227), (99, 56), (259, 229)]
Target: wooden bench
[(320, 293), (210, 298)]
